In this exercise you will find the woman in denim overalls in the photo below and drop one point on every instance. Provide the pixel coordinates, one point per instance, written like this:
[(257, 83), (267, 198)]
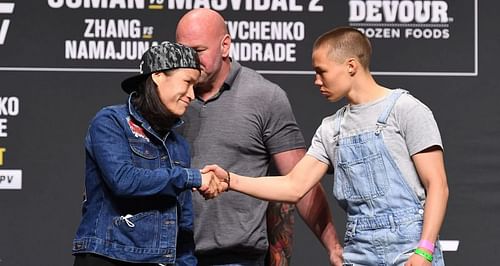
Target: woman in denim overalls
[(386, 165), (385, 216)]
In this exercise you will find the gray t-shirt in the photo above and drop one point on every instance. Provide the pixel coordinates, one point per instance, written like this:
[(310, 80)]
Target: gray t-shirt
[(411, 128), (238, 129)]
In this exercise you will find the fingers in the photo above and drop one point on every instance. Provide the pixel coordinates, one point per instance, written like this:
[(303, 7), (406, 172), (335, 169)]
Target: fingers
[(209, 168), (220, 172), (211, 186), (214, 181)]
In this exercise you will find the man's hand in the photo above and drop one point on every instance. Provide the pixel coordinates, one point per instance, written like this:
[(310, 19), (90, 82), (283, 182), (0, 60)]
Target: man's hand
[(336, 258)]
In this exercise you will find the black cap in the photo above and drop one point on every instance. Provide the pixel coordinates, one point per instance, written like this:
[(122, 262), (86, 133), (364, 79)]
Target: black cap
[(165, 56)]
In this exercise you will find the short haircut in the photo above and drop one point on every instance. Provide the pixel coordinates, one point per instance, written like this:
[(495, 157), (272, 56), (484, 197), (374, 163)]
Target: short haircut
[(346, 42)]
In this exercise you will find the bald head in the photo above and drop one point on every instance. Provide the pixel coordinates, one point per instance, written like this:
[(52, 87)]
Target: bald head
[(201, 21), (205, 31)]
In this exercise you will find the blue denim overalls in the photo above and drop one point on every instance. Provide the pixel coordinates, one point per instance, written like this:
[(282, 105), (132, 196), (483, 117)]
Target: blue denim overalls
[(384, 216)]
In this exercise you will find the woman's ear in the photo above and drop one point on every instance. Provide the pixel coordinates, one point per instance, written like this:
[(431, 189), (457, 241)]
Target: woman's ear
[(156, 76), (352, 66)]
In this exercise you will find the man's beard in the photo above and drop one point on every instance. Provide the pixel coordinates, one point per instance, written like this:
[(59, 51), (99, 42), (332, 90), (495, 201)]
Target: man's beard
[(204, 82)]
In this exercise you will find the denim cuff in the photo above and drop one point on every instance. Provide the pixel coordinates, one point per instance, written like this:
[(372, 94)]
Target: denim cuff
[(193, 178)]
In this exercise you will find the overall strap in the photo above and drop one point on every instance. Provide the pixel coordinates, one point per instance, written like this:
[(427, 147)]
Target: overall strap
[(382, 120), (338, 117)]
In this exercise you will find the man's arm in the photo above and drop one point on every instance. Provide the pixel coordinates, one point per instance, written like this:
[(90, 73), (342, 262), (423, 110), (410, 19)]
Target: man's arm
[(280, 221), (313, 208)]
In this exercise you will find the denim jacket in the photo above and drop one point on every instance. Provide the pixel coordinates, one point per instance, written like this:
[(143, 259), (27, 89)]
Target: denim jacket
[(137, 204)]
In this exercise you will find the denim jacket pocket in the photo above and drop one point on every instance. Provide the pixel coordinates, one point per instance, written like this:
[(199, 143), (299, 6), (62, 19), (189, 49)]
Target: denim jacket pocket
[(141, 230), (145, 154)]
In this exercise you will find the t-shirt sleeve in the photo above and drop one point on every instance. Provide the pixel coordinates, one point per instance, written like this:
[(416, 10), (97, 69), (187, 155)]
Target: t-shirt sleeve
[(281, 131), (317, 148), (418, 126)]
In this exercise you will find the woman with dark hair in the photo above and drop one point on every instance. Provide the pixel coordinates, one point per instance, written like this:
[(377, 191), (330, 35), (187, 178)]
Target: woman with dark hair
[(137, 208)]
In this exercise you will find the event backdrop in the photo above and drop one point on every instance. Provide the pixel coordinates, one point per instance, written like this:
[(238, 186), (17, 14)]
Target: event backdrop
[(62, 60)]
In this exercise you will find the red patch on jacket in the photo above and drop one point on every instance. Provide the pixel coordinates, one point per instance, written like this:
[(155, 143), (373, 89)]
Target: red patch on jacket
[(136, 130)]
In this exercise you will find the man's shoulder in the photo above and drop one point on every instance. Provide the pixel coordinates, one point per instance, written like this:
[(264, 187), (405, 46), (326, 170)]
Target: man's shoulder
[(256, 79)]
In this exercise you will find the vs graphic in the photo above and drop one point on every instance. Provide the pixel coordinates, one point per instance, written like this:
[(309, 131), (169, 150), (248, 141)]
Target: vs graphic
[(5, 8)]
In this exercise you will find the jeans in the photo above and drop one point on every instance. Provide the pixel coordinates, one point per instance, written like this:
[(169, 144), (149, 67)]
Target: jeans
[(391, 246)]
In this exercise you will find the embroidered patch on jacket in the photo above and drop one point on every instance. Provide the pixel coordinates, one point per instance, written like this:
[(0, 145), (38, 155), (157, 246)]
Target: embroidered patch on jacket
[(137, 130)]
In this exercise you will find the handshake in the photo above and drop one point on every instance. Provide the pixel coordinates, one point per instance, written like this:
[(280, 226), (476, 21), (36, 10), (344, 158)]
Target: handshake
[(214, 180)]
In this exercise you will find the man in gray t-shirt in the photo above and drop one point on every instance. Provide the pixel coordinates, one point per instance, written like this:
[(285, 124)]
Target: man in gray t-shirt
[(242, 121)]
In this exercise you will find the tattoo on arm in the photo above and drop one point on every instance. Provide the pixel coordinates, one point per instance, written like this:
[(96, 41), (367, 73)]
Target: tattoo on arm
[(280, 221)]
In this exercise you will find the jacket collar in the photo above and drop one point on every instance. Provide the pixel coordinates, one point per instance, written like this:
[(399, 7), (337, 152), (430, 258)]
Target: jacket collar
[(142, 121)]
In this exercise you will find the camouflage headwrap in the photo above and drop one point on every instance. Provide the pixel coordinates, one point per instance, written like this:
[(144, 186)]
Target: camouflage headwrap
[(165, 56)]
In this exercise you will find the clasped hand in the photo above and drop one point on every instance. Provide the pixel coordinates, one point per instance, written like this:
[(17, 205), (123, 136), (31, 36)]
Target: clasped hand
[(215, 180)]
